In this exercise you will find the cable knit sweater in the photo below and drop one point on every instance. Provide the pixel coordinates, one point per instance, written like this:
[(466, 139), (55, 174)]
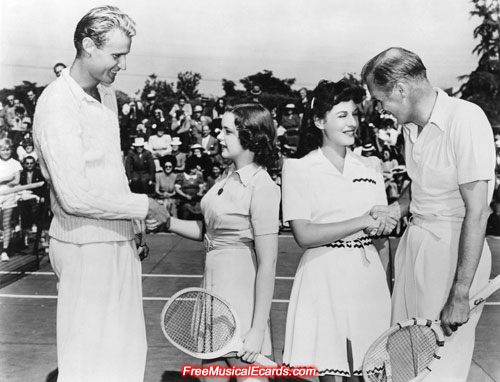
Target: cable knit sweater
[(77, 140)]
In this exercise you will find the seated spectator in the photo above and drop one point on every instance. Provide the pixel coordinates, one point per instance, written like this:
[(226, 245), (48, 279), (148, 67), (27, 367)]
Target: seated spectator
[(190, 187), (388, 163), (182, 105), (388, 134), (10, 172), (213, 176), (159, 145), (218, 111), (178, 156), (493, 226), (31, 103), (140, 168), (165, 187), (210, 144), (301, 106), (26, 148), (22, 125), (290, 120), (207, 109), (199, 159), (31, 200)]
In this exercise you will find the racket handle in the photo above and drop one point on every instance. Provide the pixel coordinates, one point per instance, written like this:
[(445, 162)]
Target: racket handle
[(264, 361)]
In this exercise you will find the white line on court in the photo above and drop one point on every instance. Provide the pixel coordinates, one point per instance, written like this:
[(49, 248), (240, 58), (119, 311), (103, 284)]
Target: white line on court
[(144, 275), (53, 297)]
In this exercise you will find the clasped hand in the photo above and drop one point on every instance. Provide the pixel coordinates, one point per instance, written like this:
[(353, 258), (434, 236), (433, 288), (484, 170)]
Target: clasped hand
[(157, 214), (381, 220)]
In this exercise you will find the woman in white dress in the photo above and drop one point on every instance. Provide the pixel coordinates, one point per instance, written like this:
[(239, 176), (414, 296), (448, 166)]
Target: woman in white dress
[(340, 300)]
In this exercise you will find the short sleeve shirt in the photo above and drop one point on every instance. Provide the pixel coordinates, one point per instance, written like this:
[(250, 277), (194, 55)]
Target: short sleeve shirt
[(315, 190), (243, 204), (8, 167), (455, 147)]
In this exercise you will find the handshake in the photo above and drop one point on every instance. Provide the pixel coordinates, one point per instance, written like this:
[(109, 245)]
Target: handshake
[(157, 215), (381, 220)]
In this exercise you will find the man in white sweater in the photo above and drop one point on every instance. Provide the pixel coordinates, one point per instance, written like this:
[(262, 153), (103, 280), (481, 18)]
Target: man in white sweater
[(101, 335)]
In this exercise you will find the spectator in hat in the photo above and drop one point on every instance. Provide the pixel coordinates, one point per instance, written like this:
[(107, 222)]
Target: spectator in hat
[(159, 145), (179, 158), (140, 168), (58, 68), (151, 105), (195, 123), (165, 186), (199, 159), (255, 93), (290, 120)]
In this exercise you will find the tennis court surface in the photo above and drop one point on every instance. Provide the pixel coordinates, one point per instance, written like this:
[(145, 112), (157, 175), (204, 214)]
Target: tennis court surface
[(28, 313)]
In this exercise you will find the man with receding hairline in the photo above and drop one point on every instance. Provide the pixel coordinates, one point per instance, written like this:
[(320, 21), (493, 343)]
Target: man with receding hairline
[(443, 259), (101, 334)]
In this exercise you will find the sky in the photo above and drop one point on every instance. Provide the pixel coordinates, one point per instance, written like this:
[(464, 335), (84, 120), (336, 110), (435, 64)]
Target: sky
[(303, 39)]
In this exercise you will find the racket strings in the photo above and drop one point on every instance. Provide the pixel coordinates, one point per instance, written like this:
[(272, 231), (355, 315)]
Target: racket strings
[(402, 355), (199, 322)]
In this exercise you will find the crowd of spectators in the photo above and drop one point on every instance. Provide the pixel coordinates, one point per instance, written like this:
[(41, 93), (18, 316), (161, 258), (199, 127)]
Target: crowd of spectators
[(174, 155)]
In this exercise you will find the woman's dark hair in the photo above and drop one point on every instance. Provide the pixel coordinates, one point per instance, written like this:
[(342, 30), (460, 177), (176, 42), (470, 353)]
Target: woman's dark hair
[(256, 132), (323, 98), (218, 109)]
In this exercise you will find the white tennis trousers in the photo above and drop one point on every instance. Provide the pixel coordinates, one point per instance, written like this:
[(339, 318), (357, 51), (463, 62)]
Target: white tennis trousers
[(101, 334)]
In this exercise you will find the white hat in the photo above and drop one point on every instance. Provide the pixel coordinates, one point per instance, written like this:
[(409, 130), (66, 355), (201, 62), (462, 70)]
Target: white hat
[(138, 142), (151, 94), (290, 106), (198, 108), (196, 146), (399, 169), (176, 141)]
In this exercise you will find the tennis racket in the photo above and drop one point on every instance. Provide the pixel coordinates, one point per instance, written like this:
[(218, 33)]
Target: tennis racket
[(406, 351), (201, 324)]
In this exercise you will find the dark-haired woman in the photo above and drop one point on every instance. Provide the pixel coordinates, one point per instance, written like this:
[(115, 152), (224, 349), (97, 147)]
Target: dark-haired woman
[(218, 111), (241, 219), (340, 299)]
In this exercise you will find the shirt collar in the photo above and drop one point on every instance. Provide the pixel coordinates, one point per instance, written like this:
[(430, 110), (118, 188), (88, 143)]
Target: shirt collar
[(78, 91), (440, 111), (246, 173), (438, 116)]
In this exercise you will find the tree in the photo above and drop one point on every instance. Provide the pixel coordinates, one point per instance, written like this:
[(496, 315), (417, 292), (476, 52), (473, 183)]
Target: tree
[(482, 86), (187, 84), (269, 83), (164, 91)]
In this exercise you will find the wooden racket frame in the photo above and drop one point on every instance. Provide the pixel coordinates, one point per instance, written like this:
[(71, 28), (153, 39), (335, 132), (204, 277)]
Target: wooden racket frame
[(477, 300), (233, 346)]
